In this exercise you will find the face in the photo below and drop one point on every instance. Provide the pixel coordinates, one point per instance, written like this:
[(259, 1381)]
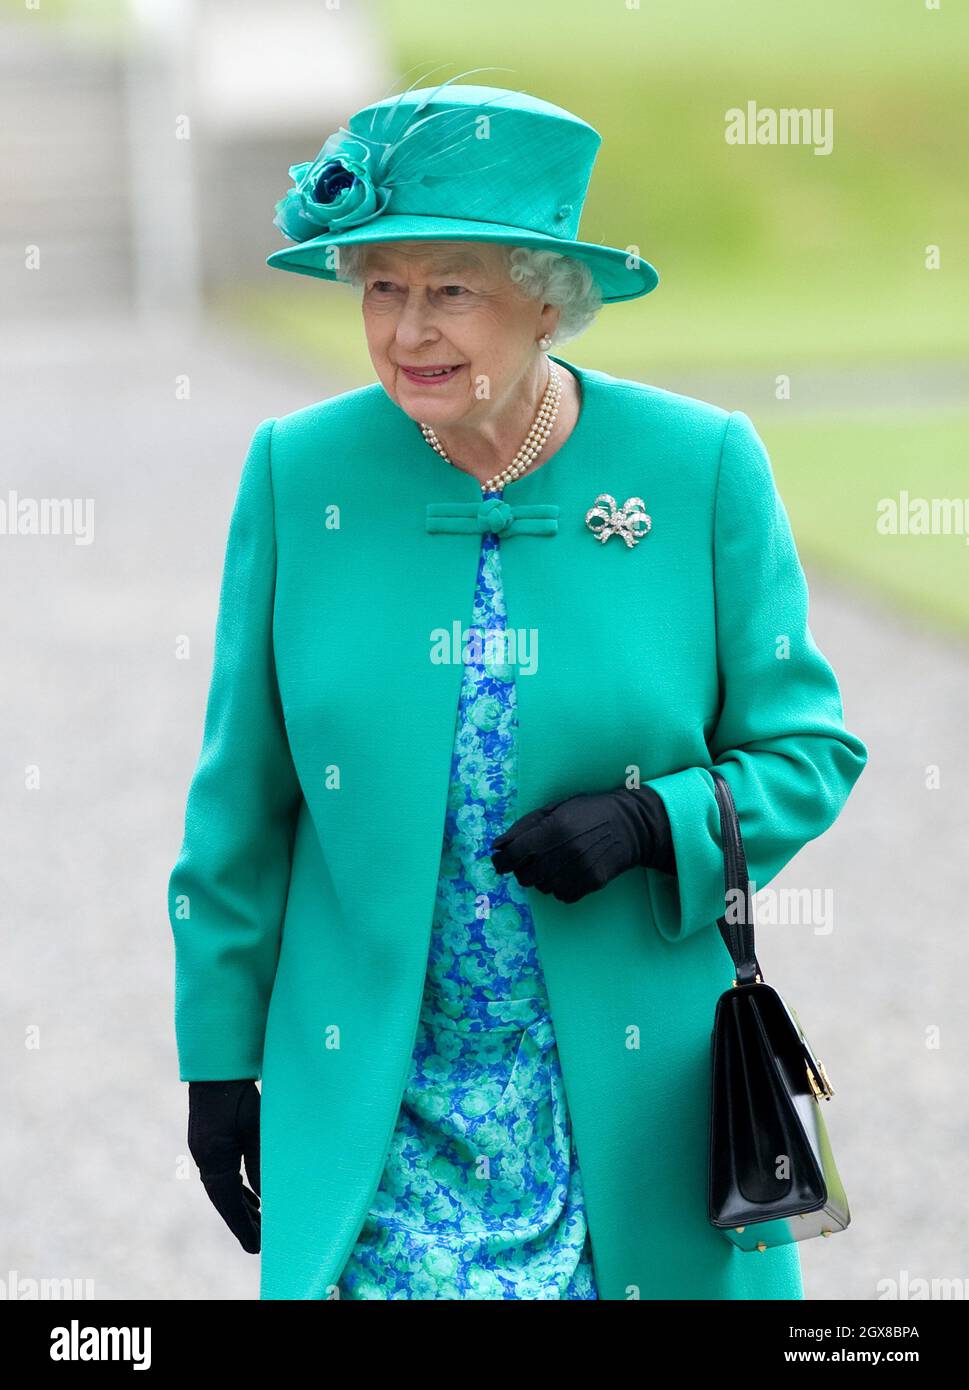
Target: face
[(452, 305)]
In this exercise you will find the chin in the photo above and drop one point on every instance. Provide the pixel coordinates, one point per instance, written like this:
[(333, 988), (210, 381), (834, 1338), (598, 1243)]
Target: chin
[(432, 411)]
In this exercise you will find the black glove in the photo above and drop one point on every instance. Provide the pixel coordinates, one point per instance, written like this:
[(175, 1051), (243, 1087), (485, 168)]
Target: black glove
[(576, 846), (223, 1128)]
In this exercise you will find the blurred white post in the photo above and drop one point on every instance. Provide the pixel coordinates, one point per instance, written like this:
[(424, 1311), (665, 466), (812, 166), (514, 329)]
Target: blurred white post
[(158, 87)]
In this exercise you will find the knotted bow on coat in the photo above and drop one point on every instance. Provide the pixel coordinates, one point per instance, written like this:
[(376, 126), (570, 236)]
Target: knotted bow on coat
[(492, 514)]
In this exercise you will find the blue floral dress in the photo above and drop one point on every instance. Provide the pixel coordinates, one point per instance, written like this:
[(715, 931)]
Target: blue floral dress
[(481, 1195)]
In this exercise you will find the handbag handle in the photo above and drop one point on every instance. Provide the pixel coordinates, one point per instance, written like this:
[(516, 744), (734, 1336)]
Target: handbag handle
[(738, 936)]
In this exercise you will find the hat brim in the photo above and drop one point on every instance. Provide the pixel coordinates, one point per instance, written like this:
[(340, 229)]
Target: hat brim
[(618, 274)]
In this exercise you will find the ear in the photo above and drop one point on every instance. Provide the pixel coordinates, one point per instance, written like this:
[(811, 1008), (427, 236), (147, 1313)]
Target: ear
[(549, 319)]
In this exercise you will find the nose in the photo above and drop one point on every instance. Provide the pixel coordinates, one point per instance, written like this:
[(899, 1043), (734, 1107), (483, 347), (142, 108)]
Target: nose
[(414, 325)]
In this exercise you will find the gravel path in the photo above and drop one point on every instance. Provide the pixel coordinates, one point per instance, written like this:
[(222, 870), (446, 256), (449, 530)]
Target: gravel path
[(99, 1185)]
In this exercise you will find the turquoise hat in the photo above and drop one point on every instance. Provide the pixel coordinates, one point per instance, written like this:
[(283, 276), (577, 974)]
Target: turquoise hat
[(452, 163)]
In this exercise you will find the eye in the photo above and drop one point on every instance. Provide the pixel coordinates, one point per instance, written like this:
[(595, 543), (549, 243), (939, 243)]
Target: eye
[(382, 286), (459, 288)]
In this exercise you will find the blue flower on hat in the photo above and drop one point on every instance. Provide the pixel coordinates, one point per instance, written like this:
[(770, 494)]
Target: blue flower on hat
[(334, 191)]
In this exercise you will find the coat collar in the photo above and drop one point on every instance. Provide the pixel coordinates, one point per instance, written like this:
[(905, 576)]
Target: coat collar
[(512, 514)]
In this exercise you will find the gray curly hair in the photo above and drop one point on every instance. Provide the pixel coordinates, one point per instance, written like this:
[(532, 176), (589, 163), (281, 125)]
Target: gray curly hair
[(546, 275)]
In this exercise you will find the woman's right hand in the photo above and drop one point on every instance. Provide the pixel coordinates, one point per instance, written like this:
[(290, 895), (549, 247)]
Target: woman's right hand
[(223, 1128)]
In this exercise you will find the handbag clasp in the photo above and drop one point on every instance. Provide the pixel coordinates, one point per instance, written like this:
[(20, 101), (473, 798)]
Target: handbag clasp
[(828, 1090)]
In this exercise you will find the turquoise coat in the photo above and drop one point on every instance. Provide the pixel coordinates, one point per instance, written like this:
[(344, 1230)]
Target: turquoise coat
[(302, 897)]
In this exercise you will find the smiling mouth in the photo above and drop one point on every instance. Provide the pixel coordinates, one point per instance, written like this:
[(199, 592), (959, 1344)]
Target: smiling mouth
[(432, 374)]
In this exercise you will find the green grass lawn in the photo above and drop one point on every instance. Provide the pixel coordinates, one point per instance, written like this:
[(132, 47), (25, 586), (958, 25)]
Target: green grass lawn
[(832, 474), (767, 255)]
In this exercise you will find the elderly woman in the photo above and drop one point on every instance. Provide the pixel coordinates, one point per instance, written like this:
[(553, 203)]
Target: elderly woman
[(452, 860)]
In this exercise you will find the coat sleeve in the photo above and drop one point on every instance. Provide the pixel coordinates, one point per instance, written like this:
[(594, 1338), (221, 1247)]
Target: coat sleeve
[(227, 891), (780, 738)]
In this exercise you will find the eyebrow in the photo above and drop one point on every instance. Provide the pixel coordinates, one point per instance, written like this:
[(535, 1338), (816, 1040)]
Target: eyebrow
[(456, 261)]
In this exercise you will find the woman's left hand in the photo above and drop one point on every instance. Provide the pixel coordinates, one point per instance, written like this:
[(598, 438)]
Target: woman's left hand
[(576, 846)]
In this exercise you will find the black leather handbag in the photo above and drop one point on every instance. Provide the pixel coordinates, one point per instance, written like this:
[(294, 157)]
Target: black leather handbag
[(772, 1178)]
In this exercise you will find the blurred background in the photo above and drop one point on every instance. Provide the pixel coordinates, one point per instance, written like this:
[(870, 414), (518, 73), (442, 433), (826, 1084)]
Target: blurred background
[(144, 146)]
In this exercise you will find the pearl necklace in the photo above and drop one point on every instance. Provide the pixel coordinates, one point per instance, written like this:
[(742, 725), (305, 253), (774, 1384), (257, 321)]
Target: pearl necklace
[(534, 441)]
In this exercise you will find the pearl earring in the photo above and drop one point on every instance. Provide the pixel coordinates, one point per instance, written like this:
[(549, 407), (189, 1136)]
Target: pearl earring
[(544, 342)]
